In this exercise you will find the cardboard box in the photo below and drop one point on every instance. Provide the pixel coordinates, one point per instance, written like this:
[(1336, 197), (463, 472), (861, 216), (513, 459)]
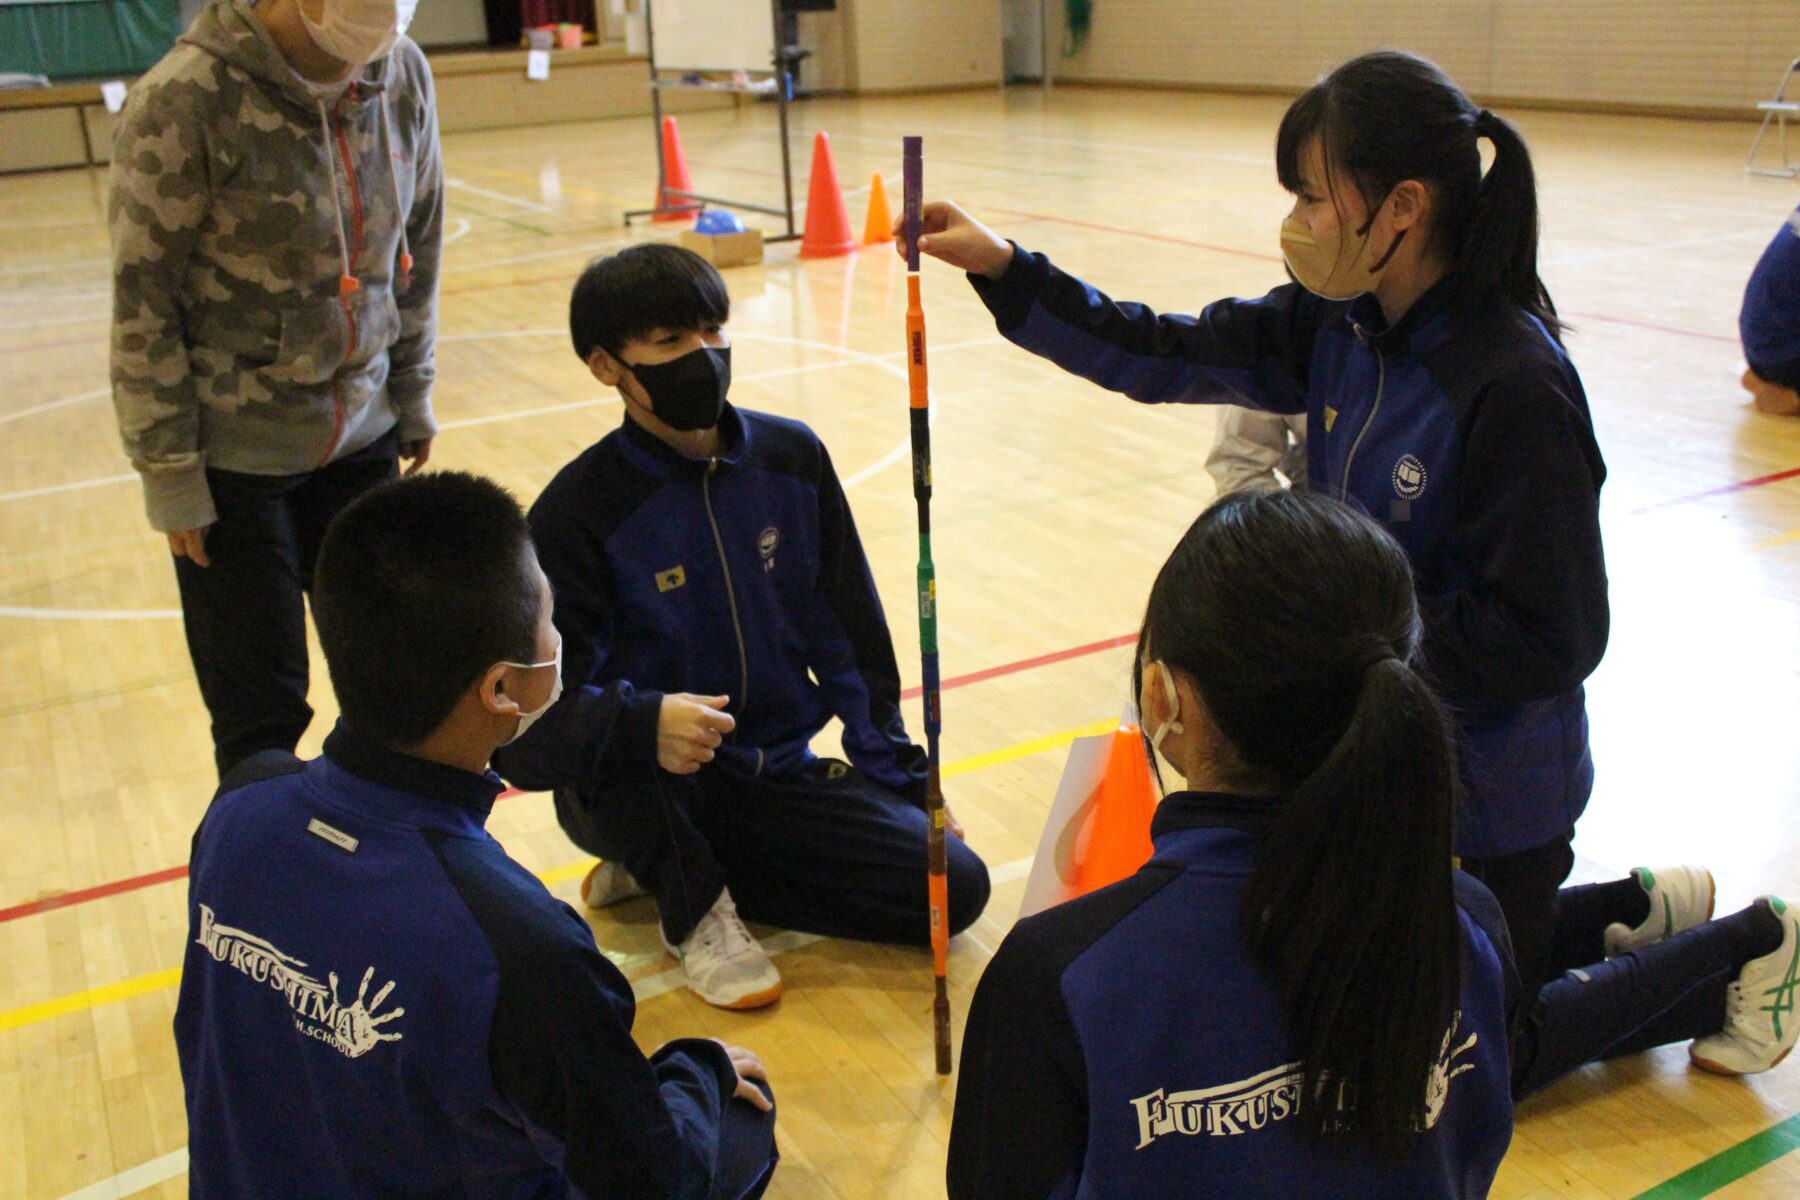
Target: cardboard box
[(726, 249)]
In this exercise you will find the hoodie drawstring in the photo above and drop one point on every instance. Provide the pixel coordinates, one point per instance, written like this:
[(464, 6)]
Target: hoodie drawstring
[(347, 283), (387, 146)]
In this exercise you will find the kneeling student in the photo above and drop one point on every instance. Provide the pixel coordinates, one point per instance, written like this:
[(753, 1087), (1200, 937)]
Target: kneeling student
[(717, 611), (377, 1001)]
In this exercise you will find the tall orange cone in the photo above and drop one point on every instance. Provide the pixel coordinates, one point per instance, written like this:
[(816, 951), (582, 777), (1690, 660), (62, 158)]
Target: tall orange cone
[(1117, 833), (879, 228), (827, 224), (675, 175)]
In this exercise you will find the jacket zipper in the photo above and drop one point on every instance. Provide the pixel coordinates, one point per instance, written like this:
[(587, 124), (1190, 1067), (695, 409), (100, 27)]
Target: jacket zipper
[(730, 595), (356, 242), (1380, 387)]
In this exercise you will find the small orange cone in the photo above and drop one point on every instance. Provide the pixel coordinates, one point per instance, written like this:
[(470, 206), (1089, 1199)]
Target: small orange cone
[(1116, 835), (675, 175), (879, 228), (827, 224)]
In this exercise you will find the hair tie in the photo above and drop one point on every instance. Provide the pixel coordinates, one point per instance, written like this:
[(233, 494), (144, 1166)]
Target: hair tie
[(1376, 653), (1485, 122)]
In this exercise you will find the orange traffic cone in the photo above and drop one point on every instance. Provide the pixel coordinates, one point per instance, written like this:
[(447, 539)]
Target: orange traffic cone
[(1116, 835), (675, 175), (879, 228), (827, 224)]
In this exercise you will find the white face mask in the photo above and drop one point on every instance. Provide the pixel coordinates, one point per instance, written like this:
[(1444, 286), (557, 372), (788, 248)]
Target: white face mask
[(1173, 724), (359, 31), (527, 718)]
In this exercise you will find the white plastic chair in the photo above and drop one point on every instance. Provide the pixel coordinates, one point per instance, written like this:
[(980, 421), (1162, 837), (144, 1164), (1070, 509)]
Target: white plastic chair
[(1778, 110)]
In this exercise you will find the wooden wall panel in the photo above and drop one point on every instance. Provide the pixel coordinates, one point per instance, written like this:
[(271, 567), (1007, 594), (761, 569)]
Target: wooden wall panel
[(1716, 56), (912, 45), (32, 139)]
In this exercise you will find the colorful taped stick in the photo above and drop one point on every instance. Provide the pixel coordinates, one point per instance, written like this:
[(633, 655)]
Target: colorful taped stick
[(920, 413)]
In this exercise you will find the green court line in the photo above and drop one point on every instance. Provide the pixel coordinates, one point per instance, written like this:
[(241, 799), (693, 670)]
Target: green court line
[(1729, 1166)]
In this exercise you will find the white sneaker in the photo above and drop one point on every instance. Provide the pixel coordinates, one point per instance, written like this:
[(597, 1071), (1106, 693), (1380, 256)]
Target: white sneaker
[(1680, 898), (1760, 1021), (725, 965), (607, 884)]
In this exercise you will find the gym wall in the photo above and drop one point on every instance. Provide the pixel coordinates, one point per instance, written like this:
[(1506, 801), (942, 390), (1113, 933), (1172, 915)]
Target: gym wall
[(1711, 57)]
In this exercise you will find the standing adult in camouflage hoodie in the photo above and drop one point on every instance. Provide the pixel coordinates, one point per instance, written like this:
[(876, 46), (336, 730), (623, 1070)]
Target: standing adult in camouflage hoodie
[(277, 216)]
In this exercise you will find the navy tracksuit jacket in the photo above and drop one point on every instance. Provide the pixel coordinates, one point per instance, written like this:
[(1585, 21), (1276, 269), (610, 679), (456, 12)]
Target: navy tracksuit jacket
[(1769, 322), (1124, 1046), (741, 576), (1465, 431), (377, 1001)]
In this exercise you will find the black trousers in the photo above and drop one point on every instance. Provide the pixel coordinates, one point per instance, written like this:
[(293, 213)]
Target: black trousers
[(826, 851), (245, 614), (1580, 1006)]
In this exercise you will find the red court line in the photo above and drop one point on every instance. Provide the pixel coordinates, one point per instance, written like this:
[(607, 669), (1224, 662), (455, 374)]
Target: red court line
[(1139, 233), (1026, 664), (1654, 328), (68, 899), (1726, 490)]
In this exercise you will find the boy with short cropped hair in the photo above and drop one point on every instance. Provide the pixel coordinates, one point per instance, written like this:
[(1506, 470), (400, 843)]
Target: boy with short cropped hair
[(377, 1001), (716, 611)]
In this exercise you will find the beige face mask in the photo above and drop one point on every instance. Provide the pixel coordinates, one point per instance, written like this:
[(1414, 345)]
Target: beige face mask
[(1338, 265)]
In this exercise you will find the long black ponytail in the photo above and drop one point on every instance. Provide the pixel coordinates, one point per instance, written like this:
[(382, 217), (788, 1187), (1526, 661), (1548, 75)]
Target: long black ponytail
[(1295, 619), (1390, 116)]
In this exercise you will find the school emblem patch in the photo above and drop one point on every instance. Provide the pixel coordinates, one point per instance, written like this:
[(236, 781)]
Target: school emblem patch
[(766, 542), (1409, 478), (669, 580)]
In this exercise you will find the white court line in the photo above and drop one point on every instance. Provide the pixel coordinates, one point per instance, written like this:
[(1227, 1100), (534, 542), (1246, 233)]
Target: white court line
[(457, 231), (57, 295), (91, 614), (30, 325), (137, 1179), (496, 418), (79, 485), (529, 205), (159, 1170), (54, 404), (851, 357), (1578, 260)]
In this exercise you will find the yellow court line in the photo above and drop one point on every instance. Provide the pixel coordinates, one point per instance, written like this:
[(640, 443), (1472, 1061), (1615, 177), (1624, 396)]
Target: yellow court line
[(75, 1002), (126, 989), (1780, 539)]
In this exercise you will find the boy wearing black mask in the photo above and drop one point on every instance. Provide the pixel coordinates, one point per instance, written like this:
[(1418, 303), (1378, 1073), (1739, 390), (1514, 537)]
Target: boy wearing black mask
[(716, 611)]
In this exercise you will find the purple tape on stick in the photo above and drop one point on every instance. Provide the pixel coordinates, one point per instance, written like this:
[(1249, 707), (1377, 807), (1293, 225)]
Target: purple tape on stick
[(913, 157)]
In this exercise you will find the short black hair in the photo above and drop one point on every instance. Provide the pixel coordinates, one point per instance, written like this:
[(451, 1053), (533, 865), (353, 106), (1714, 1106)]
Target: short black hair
[(421, 585), (650, 286)]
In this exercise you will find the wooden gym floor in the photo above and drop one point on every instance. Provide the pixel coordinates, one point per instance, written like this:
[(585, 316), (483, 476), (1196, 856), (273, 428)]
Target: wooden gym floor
[(1055, 503)]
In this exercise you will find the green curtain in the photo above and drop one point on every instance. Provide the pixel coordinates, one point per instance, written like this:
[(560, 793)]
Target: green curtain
[(74, 39)]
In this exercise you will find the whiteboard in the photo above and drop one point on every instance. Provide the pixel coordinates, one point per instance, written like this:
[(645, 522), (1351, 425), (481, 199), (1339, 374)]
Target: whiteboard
[(713, 35)]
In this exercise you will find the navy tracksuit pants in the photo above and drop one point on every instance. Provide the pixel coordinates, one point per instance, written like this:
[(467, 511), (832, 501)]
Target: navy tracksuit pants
[(825, 851)]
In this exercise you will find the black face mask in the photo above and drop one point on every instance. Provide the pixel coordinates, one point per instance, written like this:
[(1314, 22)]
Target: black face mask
[(688, 393)]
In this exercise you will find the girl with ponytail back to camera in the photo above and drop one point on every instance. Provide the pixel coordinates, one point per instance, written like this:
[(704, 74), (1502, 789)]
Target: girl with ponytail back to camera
[(1297, 996), (1426, 354)]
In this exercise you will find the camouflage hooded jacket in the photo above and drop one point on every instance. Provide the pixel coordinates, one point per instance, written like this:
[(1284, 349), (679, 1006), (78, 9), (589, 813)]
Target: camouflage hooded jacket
[(240, 204)]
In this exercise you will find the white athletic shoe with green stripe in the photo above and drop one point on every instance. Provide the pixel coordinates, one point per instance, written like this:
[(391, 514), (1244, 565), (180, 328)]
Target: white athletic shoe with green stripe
[(1680, 898), (1760, 1022)]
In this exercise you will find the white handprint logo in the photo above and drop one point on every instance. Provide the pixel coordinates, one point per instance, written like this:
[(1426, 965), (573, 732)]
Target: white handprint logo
[(1437, 1088), (357, 1029)]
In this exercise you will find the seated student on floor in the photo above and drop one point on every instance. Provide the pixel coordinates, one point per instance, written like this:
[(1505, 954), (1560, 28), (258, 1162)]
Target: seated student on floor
[(1206, 1027), (1769, 324), (377, 1001), (716, 611)]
